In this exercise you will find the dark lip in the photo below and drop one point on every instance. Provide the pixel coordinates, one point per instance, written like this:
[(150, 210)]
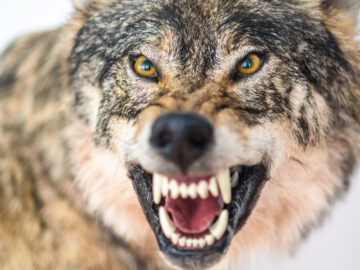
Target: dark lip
[(244, 198)]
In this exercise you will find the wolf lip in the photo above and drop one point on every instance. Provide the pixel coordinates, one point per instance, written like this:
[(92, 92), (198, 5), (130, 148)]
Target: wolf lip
[(203, 249)]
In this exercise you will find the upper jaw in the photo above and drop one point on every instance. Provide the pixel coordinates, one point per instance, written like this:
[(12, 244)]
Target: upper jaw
[(199, 250)]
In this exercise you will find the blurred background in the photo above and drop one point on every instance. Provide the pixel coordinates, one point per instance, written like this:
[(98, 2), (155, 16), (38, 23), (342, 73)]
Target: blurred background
[(334, 245)]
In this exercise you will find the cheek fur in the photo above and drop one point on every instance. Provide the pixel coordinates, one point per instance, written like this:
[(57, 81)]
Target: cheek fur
[(102, 178)]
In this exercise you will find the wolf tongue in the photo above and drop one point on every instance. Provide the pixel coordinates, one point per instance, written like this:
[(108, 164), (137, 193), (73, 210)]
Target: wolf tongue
[(194, 216)]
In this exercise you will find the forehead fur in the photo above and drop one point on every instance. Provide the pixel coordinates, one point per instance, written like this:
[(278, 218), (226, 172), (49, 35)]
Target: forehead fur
[(200, 29), (125, 25), (194, 32)]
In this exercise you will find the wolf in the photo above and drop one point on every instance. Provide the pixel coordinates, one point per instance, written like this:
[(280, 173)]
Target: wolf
[(164, 134)]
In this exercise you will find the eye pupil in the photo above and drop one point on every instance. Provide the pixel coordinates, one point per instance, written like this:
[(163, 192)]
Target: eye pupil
[(146, 65), (247, 63)]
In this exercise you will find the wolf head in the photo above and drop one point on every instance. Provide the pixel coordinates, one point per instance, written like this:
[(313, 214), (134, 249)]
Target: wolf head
[(236, 122)]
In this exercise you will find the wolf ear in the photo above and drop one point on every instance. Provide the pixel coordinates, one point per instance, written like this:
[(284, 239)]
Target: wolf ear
[(351, 7), (81, 4)]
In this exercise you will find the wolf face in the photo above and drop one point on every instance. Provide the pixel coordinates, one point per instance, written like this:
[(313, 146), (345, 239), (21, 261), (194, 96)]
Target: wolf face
[(235, 121)]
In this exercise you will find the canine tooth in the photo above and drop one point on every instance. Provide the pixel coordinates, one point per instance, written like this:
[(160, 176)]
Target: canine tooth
[(235, 180), (223, 179), (165, 186), (203, 190), (175, 238), (182, 241), (202, 242), (166, 223), (213, 187), (183, 191), (174, 189), (192, 191), (157, 182), (188, 242), (210, 239), (218, 229)]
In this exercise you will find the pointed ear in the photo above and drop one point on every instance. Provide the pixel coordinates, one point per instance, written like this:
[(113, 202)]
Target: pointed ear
[(351, 7), (81, 4)]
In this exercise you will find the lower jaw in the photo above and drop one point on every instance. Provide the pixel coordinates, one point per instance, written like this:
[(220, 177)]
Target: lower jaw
[(194, 242), (244, 197)]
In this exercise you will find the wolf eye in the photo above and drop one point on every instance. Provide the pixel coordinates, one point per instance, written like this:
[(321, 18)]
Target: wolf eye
[(250, 64), (144, 67)]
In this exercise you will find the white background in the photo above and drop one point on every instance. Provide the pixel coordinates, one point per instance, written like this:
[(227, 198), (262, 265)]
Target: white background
[(333, 246)]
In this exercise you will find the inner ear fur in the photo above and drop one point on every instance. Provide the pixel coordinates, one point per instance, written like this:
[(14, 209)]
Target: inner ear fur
[(86, 5), (81, 4), (351, 7)]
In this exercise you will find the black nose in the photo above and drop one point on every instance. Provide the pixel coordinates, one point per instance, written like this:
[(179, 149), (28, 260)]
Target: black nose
[(181, 137)]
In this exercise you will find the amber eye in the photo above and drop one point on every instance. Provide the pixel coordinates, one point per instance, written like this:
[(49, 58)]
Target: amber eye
[(144, 67), (250, 64)]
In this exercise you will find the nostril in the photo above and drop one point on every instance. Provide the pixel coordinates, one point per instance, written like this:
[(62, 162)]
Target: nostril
[(163, 139), (198, 141)]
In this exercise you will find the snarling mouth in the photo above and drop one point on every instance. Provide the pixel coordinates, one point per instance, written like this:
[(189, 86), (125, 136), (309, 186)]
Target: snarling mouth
[(192, 214), (195, 218)]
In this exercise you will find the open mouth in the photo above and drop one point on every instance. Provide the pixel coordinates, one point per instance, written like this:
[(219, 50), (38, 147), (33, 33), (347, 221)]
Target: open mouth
[(192, 213), (195, 218)]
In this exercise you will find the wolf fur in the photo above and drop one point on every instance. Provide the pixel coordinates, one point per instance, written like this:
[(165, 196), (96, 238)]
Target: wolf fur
[(73, 116)]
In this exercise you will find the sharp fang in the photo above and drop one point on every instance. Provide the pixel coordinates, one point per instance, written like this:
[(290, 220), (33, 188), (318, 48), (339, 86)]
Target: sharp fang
[(218, 229), (223, 179), (235, 180), (156, 188), (213, 187), (167, 225)]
